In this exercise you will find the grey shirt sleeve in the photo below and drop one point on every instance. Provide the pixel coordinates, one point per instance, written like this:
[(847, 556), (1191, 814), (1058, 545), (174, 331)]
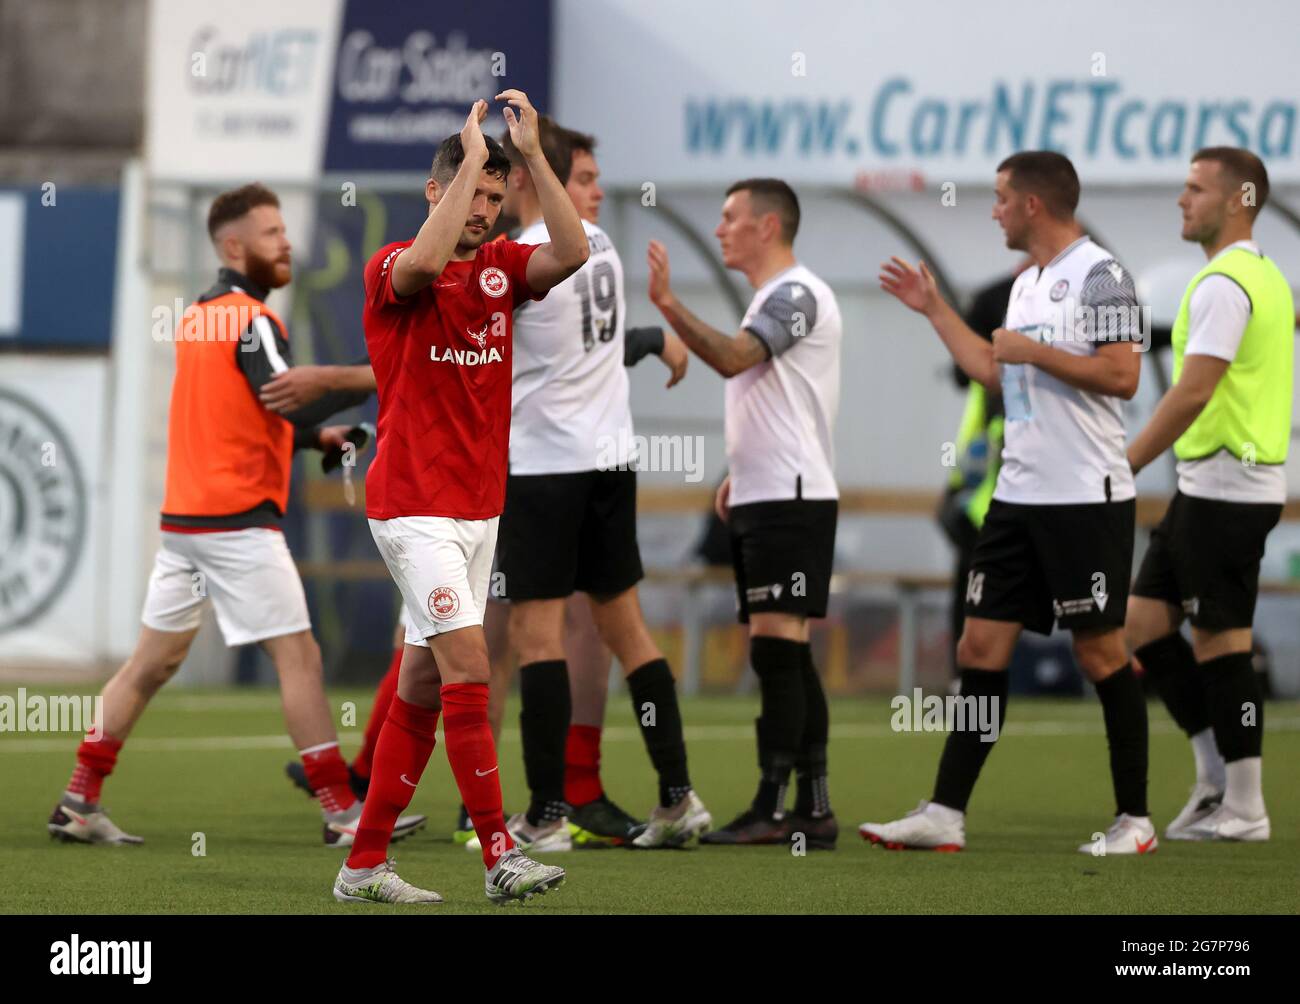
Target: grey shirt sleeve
[(1109, 292), (789, 312)]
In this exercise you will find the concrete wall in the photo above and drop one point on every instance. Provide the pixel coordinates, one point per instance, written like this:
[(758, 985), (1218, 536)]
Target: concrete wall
[(72, 76)]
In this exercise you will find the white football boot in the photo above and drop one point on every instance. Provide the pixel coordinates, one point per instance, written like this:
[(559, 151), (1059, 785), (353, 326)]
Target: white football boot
[(379, 884), (1224, 824), (1127, 835), (518, 877), (928, 827), (1203, 801), (548, 838), (75, 821), (341, 827), (674, 826)]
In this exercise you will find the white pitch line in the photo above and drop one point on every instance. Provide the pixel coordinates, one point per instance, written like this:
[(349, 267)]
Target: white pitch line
[(617, 733)]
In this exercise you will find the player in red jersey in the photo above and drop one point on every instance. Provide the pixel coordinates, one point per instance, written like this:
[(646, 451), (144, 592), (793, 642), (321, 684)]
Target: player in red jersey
[(437, 319)]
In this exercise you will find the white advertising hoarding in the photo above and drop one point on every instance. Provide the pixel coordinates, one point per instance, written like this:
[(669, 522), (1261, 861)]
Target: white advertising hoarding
[(12, 210), (239, 89), (52, 487), (932, 91)]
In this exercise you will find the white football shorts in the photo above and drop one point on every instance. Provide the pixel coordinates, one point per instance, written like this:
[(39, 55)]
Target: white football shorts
[(443, 567), (248, 574)]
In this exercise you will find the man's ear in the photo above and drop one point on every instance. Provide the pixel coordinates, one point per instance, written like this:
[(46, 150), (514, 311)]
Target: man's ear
[(1235, 200), (227, 244), (432, 192), (518, 178)]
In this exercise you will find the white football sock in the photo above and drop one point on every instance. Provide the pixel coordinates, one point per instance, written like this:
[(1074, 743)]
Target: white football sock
[(1209, 764), (1244, 794), (944, 814)]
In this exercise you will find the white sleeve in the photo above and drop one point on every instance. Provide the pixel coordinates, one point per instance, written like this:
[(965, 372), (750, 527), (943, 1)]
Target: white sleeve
[(1217, 318)]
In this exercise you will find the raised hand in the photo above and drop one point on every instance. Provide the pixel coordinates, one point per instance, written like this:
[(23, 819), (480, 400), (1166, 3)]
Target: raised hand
[(523, 128), (657, 259), (471, 136), (914, 289)]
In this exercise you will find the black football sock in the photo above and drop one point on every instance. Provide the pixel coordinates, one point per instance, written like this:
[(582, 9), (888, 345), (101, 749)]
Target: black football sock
[(778, 662), (544, 727), (1172, 667), (1236, 705), (1124, 707), (964, 752), (654, 702), (812, 789)]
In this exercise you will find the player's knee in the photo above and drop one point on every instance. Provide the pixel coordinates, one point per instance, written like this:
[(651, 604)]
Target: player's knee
[(1100, 655), (422, 689), (308, 656), (1138, 635), (468, 668), (460, 657), (150, 674), (978, 650), (778, 625), (1144, 622), (156, 660), (297, 654), (533, 636)]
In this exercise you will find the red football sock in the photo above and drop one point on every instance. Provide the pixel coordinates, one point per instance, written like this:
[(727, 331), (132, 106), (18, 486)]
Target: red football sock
[(378, 712), (582, 765), (95, 761), (403, 749), (473, 758), (328, 776)]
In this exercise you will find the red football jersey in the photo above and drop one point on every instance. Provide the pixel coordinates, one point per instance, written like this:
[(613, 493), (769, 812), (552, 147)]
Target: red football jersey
[(443, 365)]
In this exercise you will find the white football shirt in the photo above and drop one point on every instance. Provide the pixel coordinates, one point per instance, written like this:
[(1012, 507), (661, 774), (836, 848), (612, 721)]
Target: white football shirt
[(569, 401), (1065, 445), (780, 414)]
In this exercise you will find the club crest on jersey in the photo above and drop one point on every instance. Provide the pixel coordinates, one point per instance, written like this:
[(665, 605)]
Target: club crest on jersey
[(1059, 289), (493, 281), (444, 603)]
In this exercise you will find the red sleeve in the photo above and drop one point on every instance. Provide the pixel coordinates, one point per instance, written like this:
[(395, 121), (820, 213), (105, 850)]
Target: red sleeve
[(379, 278), (514, 259)]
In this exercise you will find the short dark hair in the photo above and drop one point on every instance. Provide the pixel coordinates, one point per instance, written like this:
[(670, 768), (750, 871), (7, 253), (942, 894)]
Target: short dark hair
[(1047, 174), (451, 154), (772, 195), (1241, 167), (558, 146), (237, 203)]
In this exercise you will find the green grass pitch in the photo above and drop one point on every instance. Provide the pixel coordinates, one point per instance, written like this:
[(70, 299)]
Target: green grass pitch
[(211, 762)]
